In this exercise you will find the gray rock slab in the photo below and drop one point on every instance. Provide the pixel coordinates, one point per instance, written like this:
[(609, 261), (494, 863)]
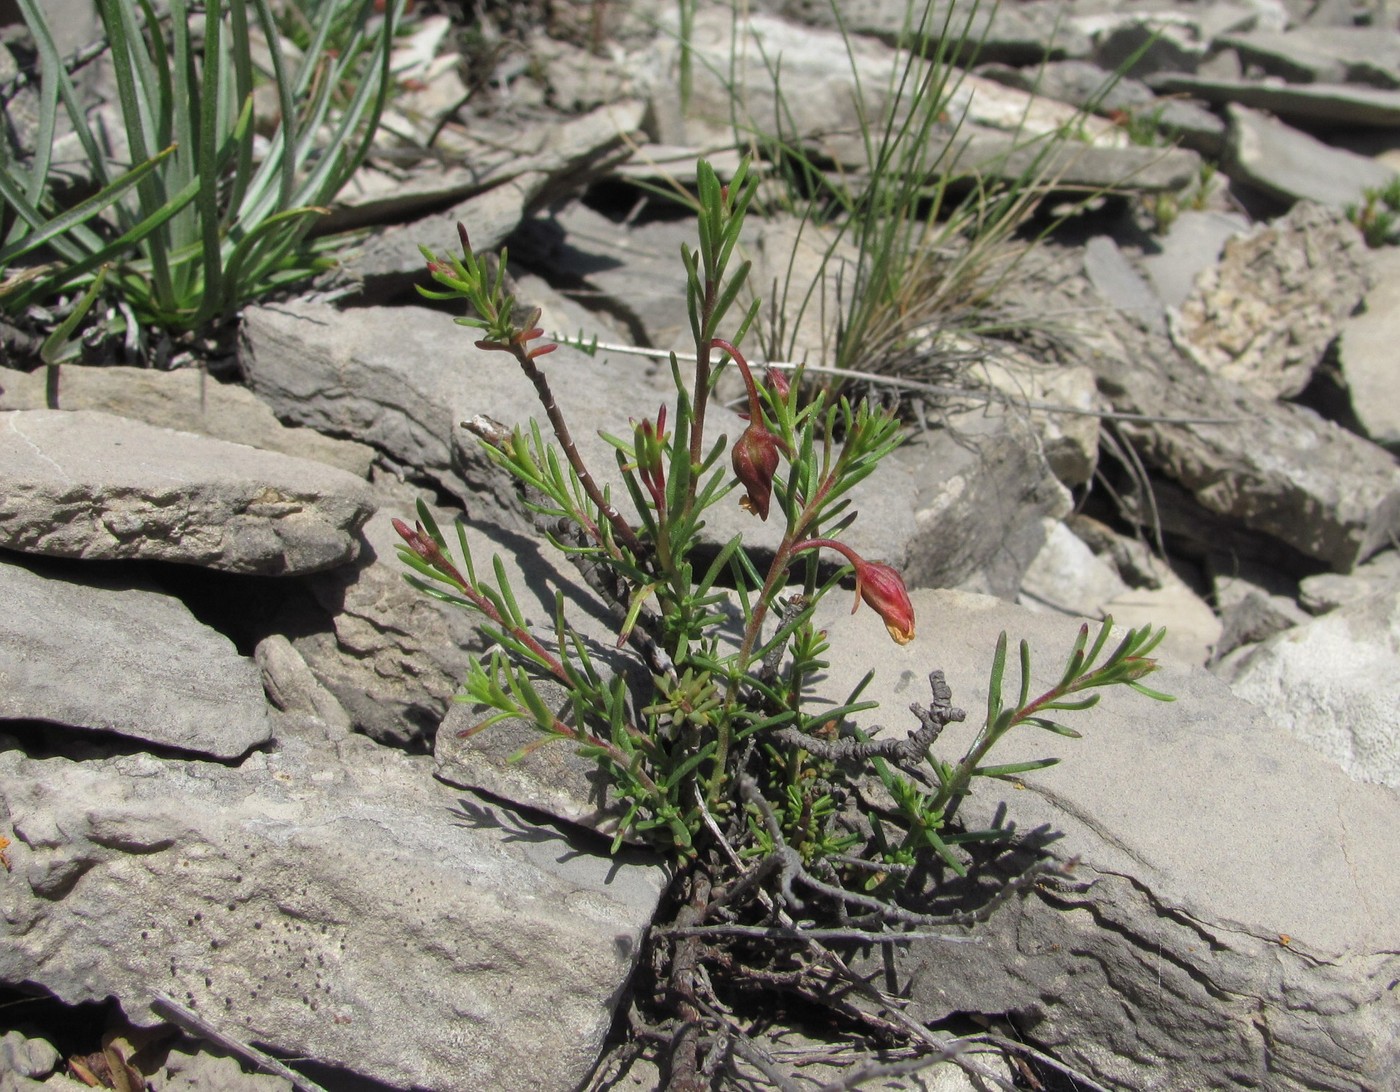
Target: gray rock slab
[(506, 151), (1069, 432), (630, 272), (1275, 467), (1254, 618), (88, 654), (1266, 314), (1078, 83), (404, 378), (1313, 105), (981, 488), (820, 71), (393, 657), (1254, 603), (329, 900), (1326, 591), (1289, 165), (1189, 247), (1068, 577), (1318, 54), (1140, 44), (1263, 465), (1024, 34), (1334, 682), (1118, 281), (1072, 165), (183, 400), (1366, 350), (96, 486), (292, 686), (495, 201), (1083, 84), (1232, 917)]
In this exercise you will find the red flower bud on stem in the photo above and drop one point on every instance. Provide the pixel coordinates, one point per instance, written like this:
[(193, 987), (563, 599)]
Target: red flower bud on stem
[(649, 445), (755, 455), (755, 459), (879, 585)]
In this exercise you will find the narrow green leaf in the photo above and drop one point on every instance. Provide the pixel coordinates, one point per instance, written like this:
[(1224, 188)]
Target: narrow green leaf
[(1012, 769), (1052, 726), (994, 683)]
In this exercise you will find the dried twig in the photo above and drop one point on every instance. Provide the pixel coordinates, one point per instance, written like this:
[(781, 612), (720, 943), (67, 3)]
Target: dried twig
[(196, 1025), (911, 749)]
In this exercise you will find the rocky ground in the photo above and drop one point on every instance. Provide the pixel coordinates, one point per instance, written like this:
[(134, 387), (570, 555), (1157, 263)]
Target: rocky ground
[(226, 802)]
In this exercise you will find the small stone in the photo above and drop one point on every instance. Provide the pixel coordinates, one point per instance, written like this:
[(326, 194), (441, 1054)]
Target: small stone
[(1066, 576), (27, 1057), (1327, 591)]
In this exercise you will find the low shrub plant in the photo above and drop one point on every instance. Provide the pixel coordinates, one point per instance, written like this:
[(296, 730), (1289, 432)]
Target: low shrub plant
[(727, 759)]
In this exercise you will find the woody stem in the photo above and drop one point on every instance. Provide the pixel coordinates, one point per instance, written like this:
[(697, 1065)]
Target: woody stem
[(620, 526)]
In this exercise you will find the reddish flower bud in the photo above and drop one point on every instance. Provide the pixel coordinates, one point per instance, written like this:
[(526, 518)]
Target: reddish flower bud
[(649, 446), (755, 460), (778, 382), (883, 589), (879, 585), (407, 533)]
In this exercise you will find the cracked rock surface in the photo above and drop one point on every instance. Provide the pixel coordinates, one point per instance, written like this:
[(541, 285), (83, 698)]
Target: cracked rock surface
[(90, 485), (1230, 919)]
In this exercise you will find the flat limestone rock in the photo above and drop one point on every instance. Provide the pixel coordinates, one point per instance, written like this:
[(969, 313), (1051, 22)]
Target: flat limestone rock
[(1333, 682), (1318, 104), (183, 400), (1264, 316), (1025, 33), (100, 487), (1234, 909), (1269, 466), (494, 201), (1366, 351), (1288, 165), (123, 658), (404, 378), (981, 489), (512, 152), (1071, 165), (1321, 54), (1191, 245), (1327, 591), (820, 70), (328, 900), (1273, 466)]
